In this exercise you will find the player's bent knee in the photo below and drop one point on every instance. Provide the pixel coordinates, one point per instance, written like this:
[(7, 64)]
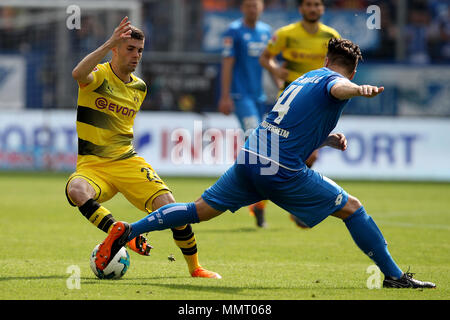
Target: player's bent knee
[(352, 204), (162, 200), (79, 192), (350, 207)]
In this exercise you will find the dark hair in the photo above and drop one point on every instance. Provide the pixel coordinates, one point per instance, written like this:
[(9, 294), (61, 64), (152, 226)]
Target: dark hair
[(241, 2), (137, 33), (343, 52), (300, 2)]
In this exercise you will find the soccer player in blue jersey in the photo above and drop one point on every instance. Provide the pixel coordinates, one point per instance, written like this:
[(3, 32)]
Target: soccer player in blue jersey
[(242, 75), (271, 166)]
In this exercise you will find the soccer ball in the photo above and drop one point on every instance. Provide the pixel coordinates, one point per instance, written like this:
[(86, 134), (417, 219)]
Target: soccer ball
[(116, 268)]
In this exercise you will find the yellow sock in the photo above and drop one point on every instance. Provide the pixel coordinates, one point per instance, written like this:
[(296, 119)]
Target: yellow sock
[(98, 215), (185, 240)]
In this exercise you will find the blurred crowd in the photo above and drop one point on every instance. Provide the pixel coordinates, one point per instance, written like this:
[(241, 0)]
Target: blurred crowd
[(51, 50), (426, 32)]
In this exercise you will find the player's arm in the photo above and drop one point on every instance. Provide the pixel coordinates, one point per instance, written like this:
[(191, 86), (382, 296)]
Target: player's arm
[(226, 105), (345, 89), (267, 59), (82, 72), (278, 73)]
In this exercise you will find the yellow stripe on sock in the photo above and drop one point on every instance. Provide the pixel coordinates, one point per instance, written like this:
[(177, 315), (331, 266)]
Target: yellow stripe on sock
[(98, 215), (186, 244), (191, 259)]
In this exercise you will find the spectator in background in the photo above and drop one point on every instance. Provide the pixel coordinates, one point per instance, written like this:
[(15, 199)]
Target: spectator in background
[(275, 4), (444, 32), (218, 5), (349, 4), (159, 24), (90, 36), (443, 43), (388, 35), (9, 35), (417, 33)]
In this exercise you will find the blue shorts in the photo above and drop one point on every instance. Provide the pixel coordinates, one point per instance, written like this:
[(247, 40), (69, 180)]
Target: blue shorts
[(307, 194), (249, 112)]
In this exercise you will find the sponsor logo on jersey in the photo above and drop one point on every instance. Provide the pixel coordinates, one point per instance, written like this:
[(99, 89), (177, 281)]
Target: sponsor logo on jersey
[(103, 103)]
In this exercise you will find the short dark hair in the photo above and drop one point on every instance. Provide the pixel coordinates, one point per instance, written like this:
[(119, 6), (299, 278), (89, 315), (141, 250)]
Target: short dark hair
[(343, 52), (242, 2), (300, 2), (137, 33)]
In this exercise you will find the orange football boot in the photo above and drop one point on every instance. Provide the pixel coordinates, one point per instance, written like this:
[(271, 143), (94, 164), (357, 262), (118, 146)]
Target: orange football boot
[(140, 245), (201, 272), (115, 240)]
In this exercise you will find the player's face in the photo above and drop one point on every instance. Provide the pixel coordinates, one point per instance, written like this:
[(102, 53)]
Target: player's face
[(252, 9), (312, 10), (129, 53)]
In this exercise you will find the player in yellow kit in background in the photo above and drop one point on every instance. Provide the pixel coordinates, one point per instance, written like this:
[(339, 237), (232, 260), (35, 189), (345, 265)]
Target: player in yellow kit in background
[(109, 98), (303, 47)]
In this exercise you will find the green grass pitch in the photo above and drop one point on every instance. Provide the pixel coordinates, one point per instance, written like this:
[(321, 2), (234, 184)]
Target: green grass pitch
[(41, 236)]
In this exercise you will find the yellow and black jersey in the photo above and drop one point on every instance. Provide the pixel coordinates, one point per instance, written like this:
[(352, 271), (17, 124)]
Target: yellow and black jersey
[(301, 50), (105, 116)]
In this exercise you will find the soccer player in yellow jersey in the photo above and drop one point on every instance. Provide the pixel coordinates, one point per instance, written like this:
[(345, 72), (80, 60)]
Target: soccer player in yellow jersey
[(303, 47), (109, 98)]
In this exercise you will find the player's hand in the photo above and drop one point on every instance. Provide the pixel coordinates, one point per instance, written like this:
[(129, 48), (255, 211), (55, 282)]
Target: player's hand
[(123, 31), (226, 105), (337, 141), (281, 73), (369, 91)]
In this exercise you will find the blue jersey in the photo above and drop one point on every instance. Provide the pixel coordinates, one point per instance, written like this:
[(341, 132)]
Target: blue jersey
[(245, 45), (301, 120)]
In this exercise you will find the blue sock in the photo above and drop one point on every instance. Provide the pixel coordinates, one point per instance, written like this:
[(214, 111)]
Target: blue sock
[(169, 216), (370, 240)]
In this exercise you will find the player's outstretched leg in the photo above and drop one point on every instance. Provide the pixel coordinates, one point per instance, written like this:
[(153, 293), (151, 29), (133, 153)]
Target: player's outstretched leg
[(370, 240), (169, 216)]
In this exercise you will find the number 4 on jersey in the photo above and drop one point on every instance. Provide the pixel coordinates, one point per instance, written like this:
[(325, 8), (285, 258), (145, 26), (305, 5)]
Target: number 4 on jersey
[(283, 104)]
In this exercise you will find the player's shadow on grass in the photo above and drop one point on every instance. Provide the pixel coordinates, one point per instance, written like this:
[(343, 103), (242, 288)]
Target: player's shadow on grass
[(190, 287), (197, 288), (33, 278), (238, 230), (212, 288), (124, 281), (234, 290)]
